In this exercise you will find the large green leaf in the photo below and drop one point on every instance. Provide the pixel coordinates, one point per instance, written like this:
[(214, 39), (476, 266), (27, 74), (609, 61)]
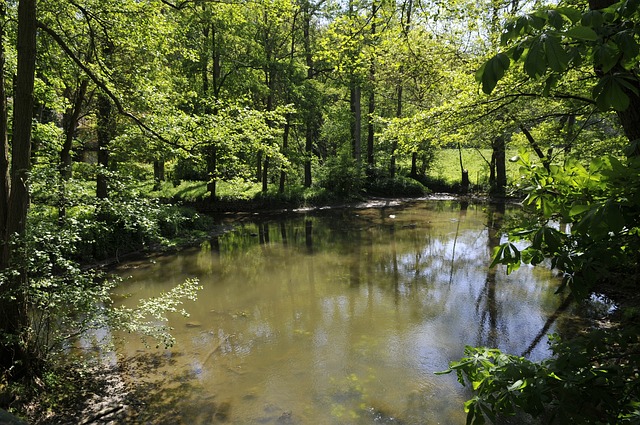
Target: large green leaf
[(606, 56), (573, 14), (492, 71), (628, 45), (557, 57), (535, 63), (555, 19), (593, 19), (536, 20), (582, 32), (609, 93)]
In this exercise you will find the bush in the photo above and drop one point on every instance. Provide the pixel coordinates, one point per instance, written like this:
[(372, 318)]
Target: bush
[(341, 176), (592, 379), (397, 187), (189, 169)]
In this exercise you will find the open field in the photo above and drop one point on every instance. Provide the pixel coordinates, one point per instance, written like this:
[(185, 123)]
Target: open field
[(446, 166)]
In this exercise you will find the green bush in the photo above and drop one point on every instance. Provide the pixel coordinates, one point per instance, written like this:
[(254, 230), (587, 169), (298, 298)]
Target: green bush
[(397, 187), (591, 379), (341, 176), (189, 169)]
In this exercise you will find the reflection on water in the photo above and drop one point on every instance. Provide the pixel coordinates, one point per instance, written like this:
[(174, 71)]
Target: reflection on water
[(338, 317)]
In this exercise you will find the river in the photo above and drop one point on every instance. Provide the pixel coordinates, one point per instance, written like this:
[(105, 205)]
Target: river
[(337, 316)]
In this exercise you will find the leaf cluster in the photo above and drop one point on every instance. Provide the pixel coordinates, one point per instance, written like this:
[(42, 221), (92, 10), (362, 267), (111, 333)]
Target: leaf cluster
[(600, 206), (552, 41), (592, 379)]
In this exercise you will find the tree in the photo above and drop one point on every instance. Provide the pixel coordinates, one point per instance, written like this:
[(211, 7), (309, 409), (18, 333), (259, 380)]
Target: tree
[(13, 305), (551, 42), (592, 377)]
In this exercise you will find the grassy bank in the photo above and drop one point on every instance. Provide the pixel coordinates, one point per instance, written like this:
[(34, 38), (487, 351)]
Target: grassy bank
[(446, 166)]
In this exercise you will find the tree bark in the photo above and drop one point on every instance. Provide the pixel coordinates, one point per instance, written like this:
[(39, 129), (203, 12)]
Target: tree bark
[(499, 155), (13, 310), (217, 67), (312, 121), (212, 173), (70, 126), (394, 144), (285, 147), (372, 95), (356, 121), (414, 164), (265, 175), (158, 173), (5, 186)]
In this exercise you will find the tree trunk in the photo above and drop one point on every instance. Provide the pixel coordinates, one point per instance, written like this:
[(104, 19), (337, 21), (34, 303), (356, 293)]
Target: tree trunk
[(370, 126), (310, 132), (355, 96), (499, 156), (414, 164), (70, 126), (204, 55), (372, 94), (492, 171), (212, 173), (217, 67), (259, 156), (5, 186), (285, 147), (265, 175), (465, 173), (356, 121), (13, 309), (406, 26), (105, 131), (158, 173)]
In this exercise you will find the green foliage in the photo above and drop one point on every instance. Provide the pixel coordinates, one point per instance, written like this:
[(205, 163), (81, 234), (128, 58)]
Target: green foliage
[(601, 205), (67, 300), (446, 166), (342, 176), (150, 316), (553, 40), (399, 186), (189, 168), (591, 379)]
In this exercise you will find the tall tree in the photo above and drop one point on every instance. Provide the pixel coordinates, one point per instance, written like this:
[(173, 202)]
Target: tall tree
[(14, 315), (5, 180)]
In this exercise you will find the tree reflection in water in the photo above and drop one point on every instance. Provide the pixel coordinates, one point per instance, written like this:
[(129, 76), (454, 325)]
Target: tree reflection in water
[(342, 316)]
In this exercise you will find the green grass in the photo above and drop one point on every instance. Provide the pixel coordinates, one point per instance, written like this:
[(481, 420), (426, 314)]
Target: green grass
[(192, 191), (446, 166)]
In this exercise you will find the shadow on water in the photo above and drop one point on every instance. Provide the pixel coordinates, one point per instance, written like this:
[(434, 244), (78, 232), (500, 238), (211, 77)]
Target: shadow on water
[(337, 317)]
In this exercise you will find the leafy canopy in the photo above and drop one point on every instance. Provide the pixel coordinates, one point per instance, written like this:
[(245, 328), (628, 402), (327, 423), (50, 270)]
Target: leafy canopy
[(551, 41)]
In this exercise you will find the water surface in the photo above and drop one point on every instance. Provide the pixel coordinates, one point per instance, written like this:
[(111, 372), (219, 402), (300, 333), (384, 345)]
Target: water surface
[(337, 317)]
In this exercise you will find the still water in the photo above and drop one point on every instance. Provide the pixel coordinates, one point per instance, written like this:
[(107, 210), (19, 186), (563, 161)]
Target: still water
[(336, 317)]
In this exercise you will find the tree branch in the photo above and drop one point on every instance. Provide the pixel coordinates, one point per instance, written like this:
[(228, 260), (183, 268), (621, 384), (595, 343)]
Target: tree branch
[(102, 86), (532, 142)]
